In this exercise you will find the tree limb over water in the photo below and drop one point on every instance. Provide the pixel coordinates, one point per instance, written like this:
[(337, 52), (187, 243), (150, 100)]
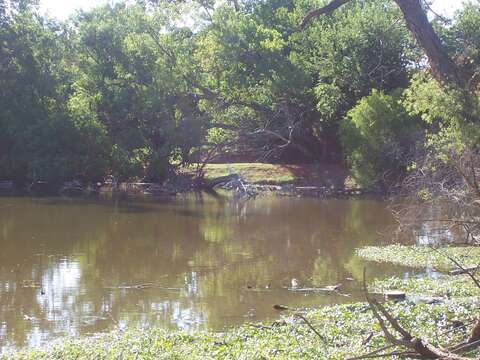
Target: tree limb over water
[(444, 69)]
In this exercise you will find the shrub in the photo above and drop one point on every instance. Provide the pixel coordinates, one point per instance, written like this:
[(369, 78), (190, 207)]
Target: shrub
[(378, 137)]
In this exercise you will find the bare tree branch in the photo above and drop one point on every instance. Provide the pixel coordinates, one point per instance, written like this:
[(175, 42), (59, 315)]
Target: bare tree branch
[(326, 10), (417, 345), (321, 337)]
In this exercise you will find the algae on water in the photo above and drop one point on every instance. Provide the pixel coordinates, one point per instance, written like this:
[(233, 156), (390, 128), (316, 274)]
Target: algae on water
[(422, 256)]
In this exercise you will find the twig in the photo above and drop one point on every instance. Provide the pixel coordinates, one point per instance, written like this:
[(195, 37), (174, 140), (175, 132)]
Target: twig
[(463, 326), (260, 326), (410, 354), (465, 270), (370, 354), (466, 346), (367, 340), (324, 340)]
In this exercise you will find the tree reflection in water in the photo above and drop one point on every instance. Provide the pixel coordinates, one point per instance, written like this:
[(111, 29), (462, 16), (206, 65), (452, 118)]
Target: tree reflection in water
[(71, 267)]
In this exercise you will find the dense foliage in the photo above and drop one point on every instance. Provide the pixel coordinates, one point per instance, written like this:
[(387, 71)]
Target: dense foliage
[(137, 88), (379, 138)]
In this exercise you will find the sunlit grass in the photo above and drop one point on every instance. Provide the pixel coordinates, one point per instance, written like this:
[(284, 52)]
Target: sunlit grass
[(254, 172), (277, 174)]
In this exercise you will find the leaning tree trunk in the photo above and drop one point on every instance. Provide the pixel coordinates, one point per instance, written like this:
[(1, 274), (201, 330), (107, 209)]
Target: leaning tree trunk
[(443, 67)]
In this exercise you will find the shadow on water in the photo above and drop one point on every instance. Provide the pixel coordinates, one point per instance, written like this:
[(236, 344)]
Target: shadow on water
[(120, 204), (70, 267)]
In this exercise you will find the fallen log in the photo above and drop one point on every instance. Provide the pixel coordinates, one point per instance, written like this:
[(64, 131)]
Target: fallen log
[(328, 288), (222, 180), (39, 187), (72, 188), (395, 295), (6, 185)]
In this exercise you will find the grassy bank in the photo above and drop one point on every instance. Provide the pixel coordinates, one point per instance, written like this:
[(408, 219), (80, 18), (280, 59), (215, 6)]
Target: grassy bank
[(279, 174)]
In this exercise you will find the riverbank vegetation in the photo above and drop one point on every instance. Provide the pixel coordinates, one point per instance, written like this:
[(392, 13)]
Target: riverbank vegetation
[(348, 330), (439, 259), (137, 90)]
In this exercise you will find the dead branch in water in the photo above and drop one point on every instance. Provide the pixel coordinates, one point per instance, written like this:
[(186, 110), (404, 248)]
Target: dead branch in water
[(416, 347), (145, 286)]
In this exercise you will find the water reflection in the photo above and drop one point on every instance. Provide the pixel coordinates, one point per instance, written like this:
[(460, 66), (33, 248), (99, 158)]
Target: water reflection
[(70, 267)]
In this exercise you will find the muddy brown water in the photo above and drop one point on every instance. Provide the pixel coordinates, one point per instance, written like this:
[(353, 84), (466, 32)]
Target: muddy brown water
[(77, 267)]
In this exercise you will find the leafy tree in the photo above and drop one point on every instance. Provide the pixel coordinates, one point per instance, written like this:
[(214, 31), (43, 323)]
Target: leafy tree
[(127, 82), (245, 59), (357, 49), (136, 88), (38, 140), (379, 138), (289, 88)]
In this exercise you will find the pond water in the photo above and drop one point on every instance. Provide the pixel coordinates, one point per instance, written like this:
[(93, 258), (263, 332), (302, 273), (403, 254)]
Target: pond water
[(77, 267)]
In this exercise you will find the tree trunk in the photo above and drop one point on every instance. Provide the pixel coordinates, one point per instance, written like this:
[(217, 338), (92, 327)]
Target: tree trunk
[(443, 67)]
